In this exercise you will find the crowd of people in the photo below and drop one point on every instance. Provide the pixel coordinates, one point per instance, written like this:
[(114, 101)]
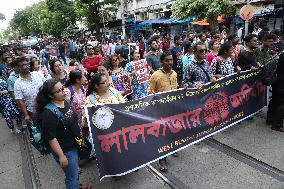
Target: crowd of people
[(34, 87)]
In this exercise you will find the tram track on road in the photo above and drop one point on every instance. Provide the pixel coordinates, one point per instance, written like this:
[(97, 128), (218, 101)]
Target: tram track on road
[(29, 169), (245, 158)]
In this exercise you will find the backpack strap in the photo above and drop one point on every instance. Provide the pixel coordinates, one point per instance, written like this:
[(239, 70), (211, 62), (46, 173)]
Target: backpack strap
[(54, 109)]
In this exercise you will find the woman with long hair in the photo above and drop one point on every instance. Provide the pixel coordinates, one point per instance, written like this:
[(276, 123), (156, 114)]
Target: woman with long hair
[(58, 72), (223, 65), (60, 131), (76, 92), (115, 67), (139, 89)]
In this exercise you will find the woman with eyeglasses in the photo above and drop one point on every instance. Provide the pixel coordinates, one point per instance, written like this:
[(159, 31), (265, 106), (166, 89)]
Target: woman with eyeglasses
[(99, 93), (60, 132), (58, 72), (115, 68), (76, 92)]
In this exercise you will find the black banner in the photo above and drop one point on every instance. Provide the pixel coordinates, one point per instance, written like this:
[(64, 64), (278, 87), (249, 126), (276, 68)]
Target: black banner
[(129, 136)]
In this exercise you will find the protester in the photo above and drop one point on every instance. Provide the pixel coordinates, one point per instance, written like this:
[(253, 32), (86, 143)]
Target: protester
[(36, 66), (277, 45), (164, 79), (61, 133), (121, 54), (188, 54), (58, 71), (139, 89), (262, 52), (154, 55), (76, 93), (9, 109), (116, 69), (8, 70), (92, 60), (12, 79), (214, 46), (177, 58), (234, 40), (196, 73), (202, 40), (61, 49), (99, 93), (275, 113), (26, 88), (247, 59), (223, 65), (104, 69)]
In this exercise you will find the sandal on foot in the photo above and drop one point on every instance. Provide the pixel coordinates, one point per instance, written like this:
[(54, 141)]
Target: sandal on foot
[(85, 186), (163, 166), (175, 154)]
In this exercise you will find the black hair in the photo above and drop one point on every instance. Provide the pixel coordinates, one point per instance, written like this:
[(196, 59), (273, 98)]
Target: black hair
[(196, 44), (232, 36), (267, 36), (151, 40), (176, 38), (32, 64), (186, 45), (87, 46), (225, 47), (51, 64), (164, 55), (73, 76), (44, 96), (18, 60), (275, 32), (249, 37), (201, 34), (95, 80), (72, 62), (211, 43)]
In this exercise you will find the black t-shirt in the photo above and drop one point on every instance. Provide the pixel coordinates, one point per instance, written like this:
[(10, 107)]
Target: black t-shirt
[(65, 130), (177, 56), (246, 60)]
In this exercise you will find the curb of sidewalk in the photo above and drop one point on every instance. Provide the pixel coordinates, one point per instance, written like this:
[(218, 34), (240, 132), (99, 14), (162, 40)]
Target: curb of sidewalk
[(29, 168)]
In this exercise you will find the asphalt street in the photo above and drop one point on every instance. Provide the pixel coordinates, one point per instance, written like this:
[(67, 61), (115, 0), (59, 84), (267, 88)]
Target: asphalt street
[(246, 156)]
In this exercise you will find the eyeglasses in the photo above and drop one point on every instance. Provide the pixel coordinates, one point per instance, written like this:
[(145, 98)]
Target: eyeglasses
[(90, 48), (103, 83), (60, 90)]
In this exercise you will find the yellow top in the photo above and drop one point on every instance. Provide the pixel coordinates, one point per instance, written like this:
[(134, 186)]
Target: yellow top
[(161, 81)]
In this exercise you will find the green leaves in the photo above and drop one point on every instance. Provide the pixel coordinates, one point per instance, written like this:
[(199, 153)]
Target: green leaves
[(203, 9), (49, 17)]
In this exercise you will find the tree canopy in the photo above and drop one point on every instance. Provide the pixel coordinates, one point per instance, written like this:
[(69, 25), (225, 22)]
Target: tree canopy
[(202, 9), (95, 11), (49, 17)]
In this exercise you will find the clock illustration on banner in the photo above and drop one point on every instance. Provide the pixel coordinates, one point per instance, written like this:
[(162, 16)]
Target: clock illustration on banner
[(103, 118)]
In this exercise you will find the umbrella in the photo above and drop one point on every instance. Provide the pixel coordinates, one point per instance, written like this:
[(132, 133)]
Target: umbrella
[(201, 23)]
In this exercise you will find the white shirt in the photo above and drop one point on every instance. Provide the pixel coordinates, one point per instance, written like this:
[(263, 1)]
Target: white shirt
[(27, 89), (112, 48)]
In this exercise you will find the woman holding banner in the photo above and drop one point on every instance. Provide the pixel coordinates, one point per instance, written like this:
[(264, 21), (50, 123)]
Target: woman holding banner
[(139, 89)]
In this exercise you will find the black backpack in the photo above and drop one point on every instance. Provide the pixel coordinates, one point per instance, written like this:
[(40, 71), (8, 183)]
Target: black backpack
[(269, 75)]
